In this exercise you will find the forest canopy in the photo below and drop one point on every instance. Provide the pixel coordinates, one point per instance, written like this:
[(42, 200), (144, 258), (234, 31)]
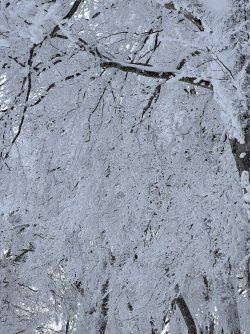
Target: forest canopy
[(124, 157)]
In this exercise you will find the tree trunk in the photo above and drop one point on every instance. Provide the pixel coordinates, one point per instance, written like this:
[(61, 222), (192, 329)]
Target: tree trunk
[(187, 316), (241, 152)]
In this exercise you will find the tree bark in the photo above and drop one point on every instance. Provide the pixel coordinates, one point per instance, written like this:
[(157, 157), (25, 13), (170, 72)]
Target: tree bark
[(241, 152), (187, 316)]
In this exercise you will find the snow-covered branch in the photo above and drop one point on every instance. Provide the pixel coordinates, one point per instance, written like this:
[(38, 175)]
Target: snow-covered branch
[(68, 16), (189, 16), (147, 71)]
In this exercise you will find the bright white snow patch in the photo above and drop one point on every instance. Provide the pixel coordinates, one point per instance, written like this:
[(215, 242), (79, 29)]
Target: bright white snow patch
[(166, 329), (242, 155)]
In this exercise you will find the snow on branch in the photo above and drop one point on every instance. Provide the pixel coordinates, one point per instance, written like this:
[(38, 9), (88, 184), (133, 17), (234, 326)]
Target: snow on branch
[(68, 16), (151, 73), (189, 16), (29, 86), (138, 69)]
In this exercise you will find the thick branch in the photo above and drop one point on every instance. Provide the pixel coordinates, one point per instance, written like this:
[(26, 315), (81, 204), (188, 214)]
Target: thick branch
[(132, 68), (146, 72), (73, 9), (68, 16), (189, 16), (187, 316)]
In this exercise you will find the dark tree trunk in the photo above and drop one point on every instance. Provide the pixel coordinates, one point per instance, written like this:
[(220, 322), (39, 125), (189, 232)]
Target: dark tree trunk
[(187, 316), (241, 152)]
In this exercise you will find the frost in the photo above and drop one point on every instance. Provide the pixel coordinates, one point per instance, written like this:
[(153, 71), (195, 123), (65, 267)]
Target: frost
[(218, 8), (245, 179), (36, 30), (123, 131), (4, 43), (246, 186)]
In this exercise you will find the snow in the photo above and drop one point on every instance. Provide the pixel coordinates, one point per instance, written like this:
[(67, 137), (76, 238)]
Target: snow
[(217, 7), (4, 43), (121, 188)]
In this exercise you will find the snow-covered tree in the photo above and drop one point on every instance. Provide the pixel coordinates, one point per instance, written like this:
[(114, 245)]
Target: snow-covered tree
[(124, 129)]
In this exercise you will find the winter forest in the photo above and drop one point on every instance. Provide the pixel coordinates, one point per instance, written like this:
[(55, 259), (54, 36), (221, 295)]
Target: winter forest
[(124, 166)]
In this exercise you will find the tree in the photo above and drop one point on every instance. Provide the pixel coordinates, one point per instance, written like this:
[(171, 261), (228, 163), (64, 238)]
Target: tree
[(121, 206)]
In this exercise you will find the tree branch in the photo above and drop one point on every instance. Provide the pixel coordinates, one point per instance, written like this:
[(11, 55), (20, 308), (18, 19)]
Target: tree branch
[(68, 16), (53, 85), (153, 98), (71, 12), (131, 68), (146, 72), (184, 60), (24, 251), (189, 16), (30, 62), (187, 316)]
